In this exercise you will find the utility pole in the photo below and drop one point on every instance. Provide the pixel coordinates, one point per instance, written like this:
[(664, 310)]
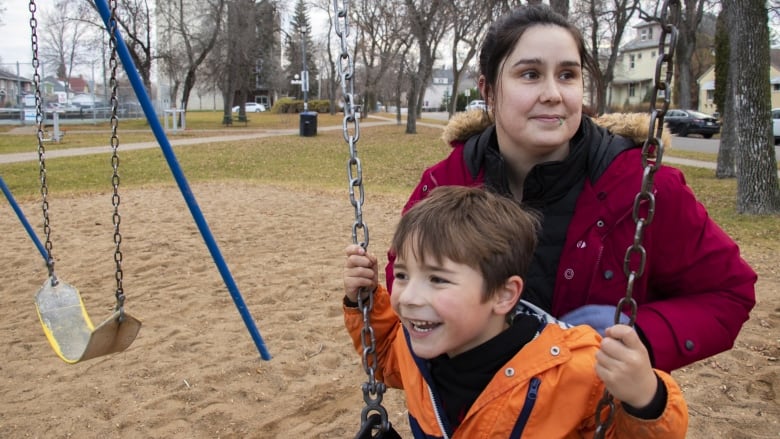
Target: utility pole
[(305, 72)]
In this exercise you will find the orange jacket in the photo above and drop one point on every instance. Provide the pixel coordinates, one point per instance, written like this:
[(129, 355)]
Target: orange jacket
[(548, 390)]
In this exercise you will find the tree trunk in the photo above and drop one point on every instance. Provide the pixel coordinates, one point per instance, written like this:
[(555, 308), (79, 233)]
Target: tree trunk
[(757, 184), (726, 166), (560, 6)]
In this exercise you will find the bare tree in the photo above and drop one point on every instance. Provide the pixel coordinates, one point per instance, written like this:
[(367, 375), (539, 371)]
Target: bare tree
[(428, 24), (135, 19), (688, 27), (241, 35), (468, 31), (757, 184), (332, 80), (64, 36), (193, 28), (605, 22), (382, 35), (560, 6)]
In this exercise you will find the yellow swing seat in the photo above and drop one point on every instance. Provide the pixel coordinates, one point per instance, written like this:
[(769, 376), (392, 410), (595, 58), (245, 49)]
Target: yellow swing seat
[(69, 329)]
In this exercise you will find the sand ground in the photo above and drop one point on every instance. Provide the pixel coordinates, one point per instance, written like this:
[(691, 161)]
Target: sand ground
[(194, 371)]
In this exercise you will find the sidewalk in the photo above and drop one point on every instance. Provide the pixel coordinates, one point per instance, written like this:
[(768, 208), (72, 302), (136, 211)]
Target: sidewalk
[(33, 156), (87, 150)]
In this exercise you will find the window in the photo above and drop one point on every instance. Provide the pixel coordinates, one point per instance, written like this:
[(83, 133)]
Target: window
[(710, 95), (631, 61), (775, 87), (632, 89), (646, 34)]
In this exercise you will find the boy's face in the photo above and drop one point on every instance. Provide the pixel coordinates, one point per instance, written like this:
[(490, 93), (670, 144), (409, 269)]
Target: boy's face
[(441, 306)]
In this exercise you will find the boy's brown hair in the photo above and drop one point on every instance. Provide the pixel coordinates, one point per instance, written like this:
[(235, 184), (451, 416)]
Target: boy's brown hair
[(470, 226)]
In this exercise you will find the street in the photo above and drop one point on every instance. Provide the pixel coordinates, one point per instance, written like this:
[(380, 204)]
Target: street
[(699, 144)]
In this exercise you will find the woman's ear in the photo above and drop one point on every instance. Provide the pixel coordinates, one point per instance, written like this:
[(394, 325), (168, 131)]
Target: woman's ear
[(484, 89), (507, 296)]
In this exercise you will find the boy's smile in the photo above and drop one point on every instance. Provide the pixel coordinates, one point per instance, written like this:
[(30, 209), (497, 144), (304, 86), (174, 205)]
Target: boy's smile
[(440, 303)]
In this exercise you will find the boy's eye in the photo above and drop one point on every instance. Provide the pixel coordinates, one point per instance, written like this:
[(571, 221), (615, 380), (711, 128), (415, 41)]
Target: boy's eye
[(438, 280), (399, 275)]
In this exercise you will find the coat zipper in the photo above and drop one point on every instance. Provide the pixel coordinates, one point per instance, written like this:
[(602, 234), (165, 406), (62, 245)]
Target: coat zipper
[(437, 414), (525, 413)]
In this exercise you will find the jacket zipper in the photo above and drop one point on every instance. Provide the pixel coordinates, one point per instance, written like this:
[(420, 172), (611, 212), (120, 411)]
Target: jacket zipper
[(525, 413), (437, 414)]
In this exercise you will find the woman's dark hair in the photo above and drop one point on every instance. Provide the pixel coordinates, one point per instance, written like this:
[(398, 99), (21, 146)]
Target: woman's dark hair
[(507, 30)]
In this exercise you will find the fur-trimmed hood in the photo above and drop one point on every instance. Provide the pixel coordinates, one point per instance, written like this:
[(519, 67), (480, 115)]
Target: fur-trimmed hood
[(634, 126)]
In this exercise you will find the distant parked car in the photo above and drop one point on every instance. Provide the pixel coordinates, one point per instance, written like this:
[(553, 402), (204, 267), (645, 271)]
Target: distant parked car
[(685, 122), (251, 107), (776, 124), (477, 104)]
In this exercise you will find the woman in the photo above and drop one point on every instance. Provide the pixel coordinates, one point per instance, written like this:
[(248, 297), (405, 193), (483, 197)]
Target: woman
[(534, 144)]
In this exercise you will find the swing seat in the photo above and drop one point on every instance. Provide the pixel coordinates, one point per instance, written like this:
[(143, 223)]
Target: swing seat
[(69, 329)]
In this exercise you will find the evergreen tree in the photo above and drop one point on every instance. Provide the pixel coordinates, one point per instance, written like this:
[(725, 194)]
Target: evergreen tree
[(298, 37)]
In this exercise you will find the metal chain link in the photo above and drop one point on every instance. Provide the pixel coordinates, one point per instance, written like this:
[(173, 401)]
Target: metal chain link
[(39, 118), (652, 156), (113, 63), (373, 390)]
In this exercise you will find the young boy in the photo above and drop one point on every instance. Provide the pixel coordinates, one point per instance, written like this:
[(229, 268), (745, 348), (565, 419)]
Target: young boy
[(473, 368)]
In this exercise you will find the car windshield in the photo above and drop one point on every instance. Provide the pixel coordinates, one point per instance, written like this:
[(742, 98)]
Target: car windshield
[(698, 115)]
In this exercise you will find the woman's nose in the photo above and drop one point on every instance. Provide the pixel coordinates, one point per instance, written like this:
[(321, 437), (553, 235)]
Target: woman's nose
[(550, 91)]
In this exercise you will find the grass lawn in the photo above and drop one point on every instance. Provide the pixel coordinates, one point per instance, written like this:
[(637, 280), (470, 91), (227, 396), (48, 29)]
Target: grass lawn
[(391, 162)]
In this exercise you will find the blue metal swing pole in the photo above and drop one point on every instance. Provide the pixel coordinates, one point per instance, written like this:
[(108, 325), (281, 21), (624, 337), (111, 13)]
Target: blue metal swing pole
[(181, 180), (23, 219)]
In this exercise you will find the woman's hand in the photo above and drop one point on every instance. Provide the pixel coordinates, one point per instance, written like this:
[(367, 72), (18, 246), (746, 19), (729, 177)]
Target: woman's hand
[(623, 364), (360, 271)]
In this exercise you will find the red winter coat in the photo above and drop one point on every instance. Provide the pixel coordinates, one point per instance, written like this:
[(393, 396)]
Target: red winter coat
[(696, 291)]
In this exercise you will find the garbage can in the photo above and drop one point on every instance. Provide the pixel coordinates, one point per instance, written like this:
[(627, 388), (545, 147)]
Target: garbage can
[(308, 124)]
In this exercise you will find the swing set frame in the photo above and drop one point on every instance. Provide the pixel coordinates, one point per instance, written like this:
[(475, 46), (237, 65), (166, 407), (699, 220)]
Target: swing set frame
[(116, 339)]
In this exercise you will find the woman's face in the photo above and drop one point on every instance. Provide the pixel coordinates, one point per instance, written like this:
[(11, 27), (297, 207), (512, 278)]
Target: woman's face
[(537, 98)]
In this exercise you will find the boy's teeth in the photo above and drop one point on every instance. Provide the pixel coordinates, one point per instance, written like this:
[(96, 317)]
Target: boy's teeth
[(423, 326)]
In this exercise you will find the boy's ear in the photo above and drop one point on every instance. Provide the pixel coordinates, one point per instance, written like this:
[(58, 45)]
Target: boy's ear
[(508, 295)]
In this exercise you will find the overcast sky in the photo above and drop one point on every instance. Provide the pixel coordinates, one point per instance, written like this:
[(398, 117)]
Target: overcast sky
[(15, 36)]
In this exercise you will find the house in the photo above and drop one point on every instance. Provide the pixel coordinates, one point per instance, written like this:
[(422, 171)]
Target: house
[(12, 87), (635, 70), (707, 84), (440, 87)]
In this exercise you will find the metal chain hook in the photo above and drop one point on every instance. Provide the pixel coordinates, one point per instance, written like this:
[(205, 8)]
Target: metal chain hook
[(373, 390), (652, 155)]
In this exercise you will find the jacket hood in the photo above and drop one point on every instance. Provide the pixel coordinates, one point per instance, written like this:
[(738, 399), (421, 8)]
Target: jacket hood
[(634, 126)]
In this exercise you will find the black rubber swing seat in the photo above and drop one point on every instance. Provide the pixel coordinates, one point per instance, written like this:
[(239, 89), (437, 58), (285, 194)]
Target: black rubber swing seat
[(70, 330)]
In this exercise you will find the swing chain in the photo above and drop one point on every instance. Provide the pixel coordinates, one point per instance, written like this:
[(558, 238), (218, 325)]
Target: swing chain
[(39, 120), (373, 390), (652, 155), (116, 218)]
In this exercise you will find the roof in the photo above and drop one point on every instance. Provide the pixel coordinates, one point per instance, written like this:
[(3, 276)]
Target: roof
[(5, 74), (78, 85)]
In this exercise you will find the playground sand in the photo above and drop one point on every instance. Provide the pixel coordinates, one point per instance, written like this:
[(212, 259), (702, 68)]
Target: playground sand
[(195, 372)]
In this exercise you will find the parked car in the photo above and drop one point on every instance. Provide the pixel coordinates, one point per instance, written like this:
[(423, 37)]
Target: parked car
[(477, 104), (251, 107), (776, 124), (685, 122)]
